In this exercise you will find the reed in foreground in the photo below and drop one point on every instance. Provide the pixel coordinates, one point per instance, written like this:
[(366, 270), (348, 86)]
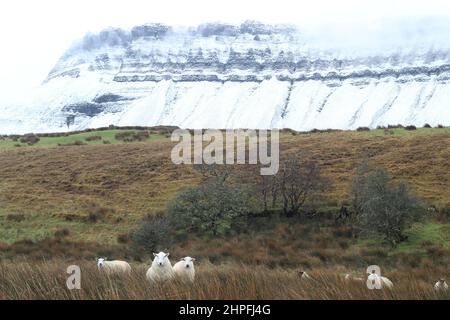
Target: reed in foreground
[(47, 280)]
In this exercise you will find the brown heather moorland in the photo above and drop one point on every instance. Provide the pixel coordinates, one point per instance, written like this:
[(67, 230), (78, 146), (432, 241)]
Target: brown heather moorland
[(70, 203), (136, 178)]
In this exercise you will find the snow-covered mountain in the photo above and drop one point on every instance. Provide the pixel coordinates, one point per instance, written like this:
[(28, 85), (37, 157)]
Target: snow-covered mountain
[(248, 76)]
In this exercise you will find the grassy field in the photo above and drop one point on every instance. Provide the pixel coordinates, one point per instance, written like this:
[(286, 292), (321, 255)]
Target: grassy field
[(106, 137), (47, 280)]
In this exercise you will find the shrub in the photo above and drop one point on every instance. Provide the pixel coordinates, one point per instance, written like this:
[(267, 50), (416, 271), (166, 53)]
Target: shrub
[(94, 217), (72, 217), (343, 244), (16, 217), (289, 131), (142, 135), (398, 126), (408, 260), (426, 243), (426, 125), (124, 238), (443, 214), (131, 136), (411, 128), (30, 139), (154, 234), (75, 143), (93, 138), (440, 126), (97, 213), (325, 255), (360, 129), (62, 233), (377, 253), (436, 252), (343, 232)]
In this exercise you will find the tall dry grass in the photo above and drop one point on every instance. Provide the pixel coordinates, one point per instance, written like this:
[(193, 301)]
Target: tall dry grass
[(47, 280)]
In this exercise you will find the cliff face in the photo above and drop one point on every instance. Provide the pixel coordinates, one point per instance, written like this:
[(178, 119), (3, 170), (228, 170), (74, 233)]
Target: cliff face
[(224, 76)]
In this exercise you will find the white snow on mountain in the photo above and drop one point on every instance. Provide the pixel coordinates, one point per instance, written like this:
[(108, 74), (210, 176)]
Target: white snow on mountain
[(247, 76)]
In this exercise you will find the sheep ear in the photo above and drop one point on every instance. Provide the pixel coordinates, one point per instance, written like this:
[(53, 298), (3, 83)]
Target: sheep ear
[(193, 259), (167, 255), (183, 259)]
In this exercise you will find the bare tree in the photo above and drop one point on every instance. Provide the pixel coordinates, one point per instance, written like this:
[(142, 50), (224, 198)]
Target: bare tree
[(298, 181), (269, 189)]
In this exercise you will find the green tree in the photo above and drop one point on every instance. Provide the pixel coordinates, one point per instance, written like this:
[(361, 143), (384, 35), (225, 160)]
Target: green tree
[(388, 209), (212, 208)]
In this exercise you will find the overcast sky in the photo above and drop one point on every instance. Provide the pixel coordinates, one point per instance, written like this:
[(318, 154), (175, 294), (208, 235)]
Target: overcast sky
[(34, 34)]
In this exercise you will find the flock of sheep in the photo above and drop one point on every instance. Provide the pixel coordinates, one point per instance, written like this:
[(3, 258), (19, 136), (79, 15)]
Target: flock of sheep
[(376, 280), (161, 269)]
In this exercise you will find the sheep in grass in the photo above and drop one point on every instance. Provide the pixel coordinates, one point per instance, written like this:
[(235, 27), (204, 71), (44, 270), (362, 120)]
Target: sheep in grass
[(161, 269), (304, 276), (113, 267), (185, 270), (441, 285), (379, 282)]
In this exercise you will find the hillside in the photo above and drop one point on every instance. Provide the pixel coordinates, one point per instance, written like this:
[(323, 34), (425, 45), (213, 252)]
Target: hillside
[(99, 192)]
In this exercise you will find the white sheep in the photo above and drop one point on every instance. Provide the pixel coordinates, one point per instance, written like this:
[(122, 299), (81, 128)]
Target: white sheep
[(113, 267), (379, 281), (441, 285), (349, 277), (161, 269), (185, 270)]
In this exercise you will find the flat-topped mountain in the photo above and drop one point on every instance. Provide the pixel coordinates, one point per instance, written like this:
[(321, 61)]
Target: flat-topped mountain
[(226, 76)]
